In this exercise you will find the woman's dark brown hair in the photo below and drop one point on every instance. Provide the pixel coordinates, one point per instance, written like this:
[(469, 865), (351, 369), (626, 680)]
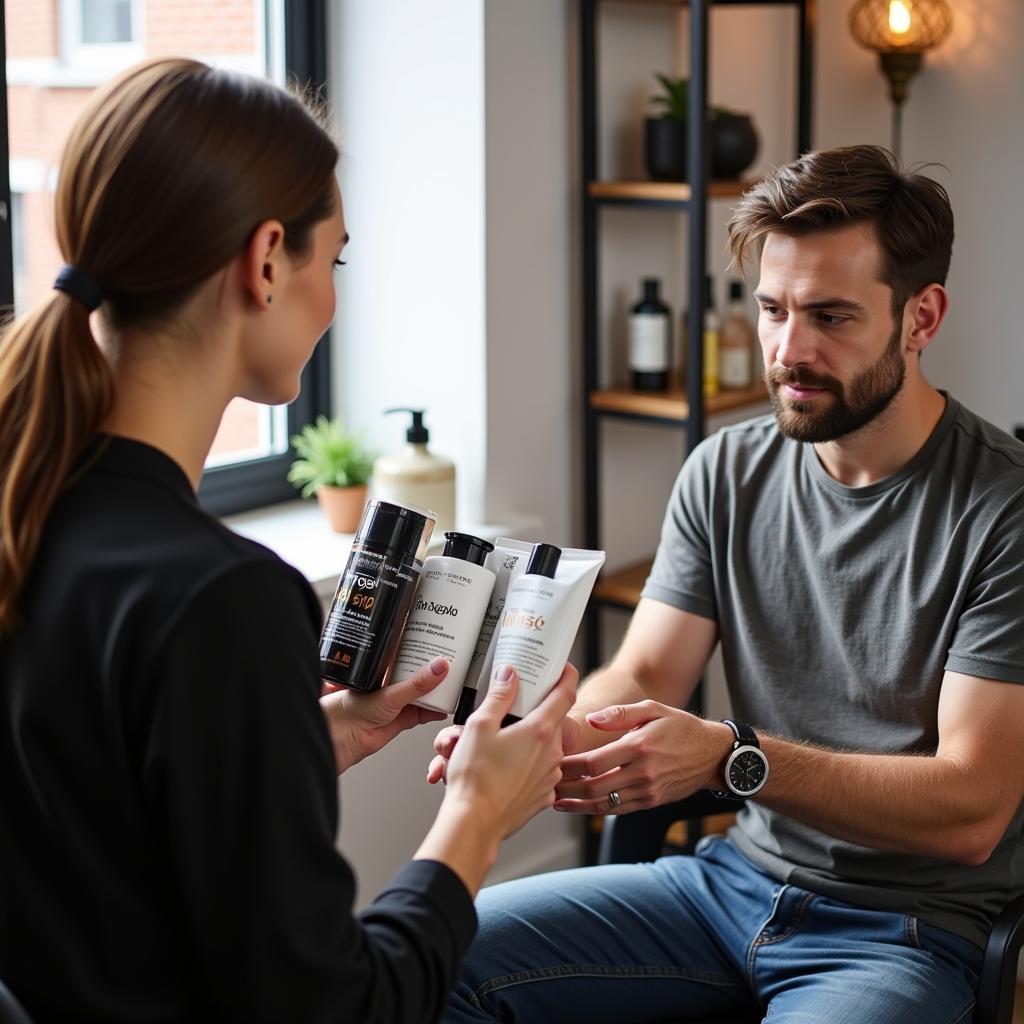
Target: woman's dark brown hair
[(163, 179), (838, 188)]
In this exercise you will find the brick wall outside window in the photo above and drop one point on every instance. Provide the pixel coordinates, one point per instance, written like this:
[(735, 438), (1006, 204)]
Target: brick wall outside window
[(42, 110)]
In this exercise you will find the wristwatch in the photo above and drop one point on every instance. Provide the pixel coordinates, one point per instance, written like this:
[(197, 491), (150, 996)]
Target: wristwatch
[(746, 768)]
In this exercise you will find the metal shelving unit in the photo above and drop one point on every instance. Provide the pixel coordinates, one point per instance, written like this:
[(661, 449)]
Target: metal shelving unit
[(675, 407)]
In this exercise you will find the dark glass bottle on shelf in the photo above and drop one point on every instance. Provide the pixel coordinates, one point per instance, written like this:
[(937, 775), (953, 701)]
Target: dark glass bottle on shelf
[(650, 334)]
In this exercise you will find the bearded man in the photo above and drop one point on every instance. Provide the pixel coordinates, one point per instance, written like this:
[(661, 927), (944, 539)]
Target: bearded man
[(860, 558)]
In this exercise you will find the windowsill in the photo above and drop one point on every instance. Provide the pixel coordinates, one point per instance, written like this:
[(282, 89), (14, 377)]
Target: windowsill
[(298, 532)]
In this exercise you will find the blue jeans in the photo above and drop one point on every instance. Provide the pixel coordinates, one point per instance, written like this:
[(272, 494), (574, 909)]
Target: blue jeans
[(699, 936)]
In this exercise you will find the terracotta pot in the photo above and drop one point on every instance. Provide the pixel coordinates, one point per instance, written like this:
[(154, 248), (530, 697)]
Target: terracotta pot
[(342, 506)]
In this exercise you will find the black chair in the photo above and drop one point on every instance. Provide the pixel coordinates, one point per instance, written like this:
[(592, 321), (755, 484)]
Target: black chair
[(11, 1011), (640, 836)]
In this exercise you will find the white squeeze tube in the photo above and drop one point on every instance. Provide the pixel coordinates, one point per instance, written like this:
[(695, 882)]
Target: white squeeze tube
[(507, 561), (543, 610)]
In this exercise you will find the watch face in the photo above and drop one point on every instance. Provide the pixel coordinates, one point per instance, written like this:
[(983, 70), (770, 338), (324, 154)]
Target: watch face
[(747, 770)]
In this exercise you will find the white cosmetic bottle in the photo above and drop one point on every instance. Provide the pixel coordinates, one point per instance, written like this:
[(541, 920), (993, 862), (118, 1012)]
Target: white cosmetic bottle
[(449, 607)]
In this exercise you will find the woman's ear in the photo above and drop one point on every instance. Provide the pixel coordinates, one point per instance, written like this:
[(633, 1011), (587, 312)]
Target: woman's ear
[(926, 309), (264, 262)]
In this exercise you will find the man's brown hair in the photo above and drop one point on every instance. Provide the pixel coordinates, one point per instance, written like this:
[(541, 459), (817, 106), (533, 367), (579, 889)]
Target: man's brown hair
[(839, 188)]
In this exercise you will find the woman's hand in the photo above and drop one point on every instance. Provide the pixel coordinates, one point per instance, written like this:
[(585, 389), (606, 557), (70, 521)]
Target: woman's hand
[(510, 774), (361, 723), (446, 739), (667, 754), (498, 778)]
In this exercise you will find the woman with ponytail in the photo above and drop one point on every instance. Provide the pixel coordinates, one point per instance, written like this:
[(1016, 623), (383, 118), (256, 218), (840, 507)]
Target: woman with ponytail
[(167, 763)]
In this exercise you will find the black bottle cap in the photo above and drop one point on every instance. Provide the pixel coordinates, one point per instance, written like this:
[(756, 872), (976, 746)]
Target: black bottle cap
[(401, 529), (543, 560), (709, 293), (467, 547), (651, 286), (417, 433), (735, 291)]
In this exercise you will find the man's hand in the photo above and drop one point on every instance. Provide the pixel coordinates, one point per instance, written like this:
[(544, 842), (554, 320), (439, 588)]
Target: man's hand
[(361, 723), (446, 739), (665, 755)]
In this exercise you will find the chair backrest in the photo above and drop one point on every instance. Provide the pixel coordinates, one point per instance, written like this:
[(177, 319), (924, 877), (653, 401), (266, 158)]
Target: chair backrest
[(11, 1011)]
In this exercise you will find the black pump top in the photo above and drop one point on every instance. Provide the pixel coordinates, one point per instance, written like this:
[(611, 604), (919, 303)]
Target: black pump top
[(417, 433), (467, 547), (543, 560)]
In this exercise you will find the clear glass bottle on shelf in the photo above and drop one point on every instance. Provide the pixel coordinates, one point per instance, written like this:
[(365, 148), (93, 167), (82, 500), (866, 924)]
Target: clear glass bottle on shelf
[(738, 342)]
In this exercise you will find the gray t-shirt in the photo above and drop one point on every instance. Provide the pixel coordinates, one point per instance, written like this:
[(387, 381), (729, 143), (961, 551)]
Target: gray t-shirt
[(839, 608)]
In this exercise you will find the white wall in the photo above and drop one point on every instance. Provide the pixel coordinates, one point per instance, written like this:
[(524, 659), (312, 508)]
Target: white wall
[(533, 397), (407, 91)]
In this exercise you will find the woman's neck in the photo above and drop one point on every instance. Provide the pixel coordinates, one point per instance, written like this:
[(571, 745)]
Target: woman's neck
[(170, 393)]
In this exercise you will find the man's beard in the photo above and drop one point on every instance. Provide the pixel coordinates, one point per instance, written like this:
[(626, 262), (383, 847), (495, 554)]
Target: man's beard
[(870, 394)]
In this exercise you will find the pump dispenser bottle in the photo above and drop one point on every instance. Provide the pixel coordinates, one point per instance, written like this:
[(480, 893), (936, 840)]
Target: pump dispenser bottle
[(416, 475), (447, 613)]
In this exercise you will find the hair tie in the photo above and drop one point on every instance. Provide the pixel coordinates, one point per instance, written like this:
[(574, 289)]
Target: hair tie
[(79, 285)]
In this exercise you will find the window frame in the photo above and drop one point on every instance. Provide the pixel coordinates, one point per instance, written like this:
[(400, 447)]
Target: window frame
[(256, 482), (82, 56)]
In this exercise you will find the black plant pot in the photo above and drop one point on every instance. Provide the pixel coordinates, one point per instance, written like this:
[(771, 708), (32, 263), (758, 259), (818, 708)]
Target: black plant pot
[(665, 149), (732, 139), (733, 145)]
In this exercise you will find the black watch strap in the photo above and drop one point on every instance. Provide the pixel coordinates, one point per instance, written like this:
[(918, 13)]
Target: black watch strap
[(744, 734)]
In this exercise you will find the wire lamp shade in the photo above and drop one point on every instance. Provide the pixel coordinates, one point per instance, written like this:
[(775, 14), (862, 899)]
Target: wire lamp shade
[(900, 26), (900, 31)]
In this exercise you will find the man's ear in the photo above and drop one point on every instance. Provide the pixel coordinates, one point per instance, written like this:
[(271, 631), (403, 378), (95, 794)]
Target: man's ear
[(926, 311), (264, 262)]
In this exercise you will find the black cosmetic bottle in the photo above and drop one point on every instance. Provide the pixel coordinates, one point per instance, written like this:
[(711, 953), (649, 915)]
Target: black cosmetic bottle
[(375, 592)]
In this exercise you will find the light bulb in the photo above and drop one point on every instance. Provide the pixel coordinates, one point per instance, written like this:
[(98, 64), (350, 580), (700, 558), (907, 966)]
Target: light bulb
[(899, 17)]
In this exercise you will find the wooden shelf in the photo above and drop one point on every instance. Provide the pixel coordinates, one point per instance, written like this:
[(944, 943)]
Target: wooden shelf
[(623, 587), (671, 404), (662, 191)]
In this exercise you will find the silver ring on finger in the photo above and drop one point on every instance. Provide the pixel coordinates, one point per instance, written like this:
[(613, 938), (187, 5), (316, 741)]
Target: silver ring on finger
[(614, 799)]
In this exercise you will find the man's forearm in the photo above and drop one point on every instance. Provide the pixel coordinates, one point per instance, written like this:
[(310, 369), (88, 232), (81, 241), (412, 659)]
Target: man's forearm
[(929, 805)]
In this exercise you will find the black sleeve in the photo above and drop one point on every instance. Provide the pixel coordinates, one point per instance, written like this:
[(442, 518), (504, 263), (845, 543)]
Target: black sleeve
[(239, 771)]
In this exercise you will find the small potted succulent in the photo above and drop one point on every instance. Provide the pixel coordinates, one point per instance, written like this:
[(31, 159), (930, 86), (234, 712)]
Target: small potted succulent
[(732, 139), (335, 464)]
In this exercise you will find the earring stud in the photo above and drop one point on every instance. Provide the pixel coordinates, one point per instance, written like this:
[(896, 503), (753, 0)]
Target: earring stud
[(270, 298)]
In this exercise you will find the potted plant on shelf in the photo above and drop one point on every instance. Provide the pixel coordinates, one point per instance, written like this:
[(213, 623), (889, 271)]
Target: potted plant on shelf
[(335, 464), (732, 139)]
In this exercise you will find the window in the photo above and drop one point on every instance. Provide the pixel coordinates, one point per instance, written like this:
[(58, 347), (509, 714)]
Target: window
[(99, 34), (56, 54), (105, 21)]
